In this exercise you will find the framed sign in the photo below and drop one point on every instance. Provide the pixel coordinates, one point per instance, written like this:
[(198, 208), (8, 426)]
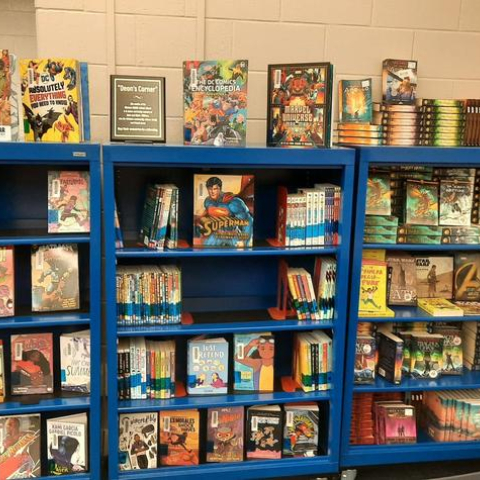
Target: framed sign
[(137, 109)]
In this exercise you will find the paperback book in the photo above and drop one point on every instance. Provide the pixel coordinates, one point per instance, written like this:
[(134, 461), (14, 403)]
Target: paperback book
[(2, 373), (378, 195), (467, 273), (264, 432), (426, 355), (399, 81), (421, 203), (365, 359), (456, 199), (75, 361), (403, 280), (355, 101), (434, 277), (7, 282), (300, 434)]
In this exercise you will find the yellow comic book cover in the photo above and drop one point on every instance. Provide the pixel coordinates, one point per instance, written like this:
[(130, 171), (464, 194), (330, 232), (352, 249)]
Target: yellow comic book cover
[(51, 100), (373, 289)]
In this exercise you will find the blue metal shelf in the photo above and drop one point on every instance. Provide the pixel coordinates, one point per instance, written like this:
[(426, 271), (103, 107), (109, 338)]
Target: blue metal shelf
[(75, 476), (47, 320), (43, 239), (61, 405), (419, 247)]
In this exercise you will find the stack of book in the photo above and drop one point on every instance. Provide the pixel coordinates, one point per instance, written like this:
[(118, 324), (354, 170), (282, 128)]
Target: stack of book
[(401, 123), (302, 294), (395, 423), (472, 123), (471, 345)]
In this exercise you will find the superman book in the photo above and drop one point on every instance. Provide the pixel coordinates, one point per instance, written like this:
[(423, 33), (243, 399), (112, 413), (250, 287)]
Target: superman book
[(215, 102), (299, 105), (355, 101), (421, 203), (7, 282), (223, 209), (399, 81)]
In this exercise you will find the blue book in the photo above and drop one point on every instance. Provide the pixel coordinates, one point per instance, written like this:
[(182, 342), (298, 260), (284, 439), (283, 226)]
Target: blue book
[(85, 101)]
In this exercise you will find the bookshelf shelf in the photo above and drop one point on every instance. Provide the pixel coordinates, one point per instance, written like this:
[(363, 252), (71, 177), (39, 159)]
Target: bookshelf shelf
[(41, 239), (420, 248), (48, 405), (225, 291), (37, 321)]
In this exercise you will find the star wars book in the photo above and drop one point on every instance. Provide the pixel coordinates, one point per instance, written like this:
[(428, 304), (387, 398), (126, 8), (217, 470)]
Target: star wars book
[(75, 361), (7, 282), (215, 102), (299, 105), (300, 433), (434, 277), (399, 81), (20, 447), (421, 203), (52, 100), (67, 444), (179, 437), (223, 209), (55, 284), (426, 360), (264, 432), (378, 195), (467, 273), (456, 199), (225, 434), (138, 441), (355, 101), (403, 279), (68, 202), (31, 363)]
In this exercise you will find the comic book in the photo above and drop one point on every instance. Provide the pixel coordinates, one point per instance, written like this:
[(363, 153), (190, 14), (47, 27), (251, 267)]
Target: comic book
[(223, 210), (5, 93), (225, 434), (138, 441), (355, 101), (52, 100), (67, 444), (75, 361), (68, 202), (299, 105), (403, 279), (7, 282), (467, 277), (456, 199), (421, 203), (378, 195), (399, 81), (300, 433), (264, 432), (55, 284), (20, 446), (179, 437), (32, 363), (434, 277), (215, 102)]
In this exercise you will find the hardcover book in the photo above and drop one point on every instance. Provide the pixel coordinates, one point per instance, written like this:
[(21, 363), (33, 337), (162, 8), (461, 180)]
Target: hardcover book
[(299, 105), (68, 202), (403, 279), (138, 441), (254, 355), (390, 356), (75, 361), (179, 437), (456, 199), (225, 434), (215, 102), (300, 434), (7, 282), (399, 81), (223, 209), (355, 101), (434, 277), (467, 281), (264, 432), (398, 424), (421, 203), (426, 355), (20, 447), (378, 195), (32, 363), (55, 284), (67, 440)]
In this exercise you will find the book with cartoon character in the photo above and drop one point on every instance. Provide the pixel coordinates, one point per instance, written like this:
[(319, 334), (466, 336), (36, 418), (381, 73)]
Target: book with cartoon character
[(7, 282), (300, 434), (75, 361), (264, 432)]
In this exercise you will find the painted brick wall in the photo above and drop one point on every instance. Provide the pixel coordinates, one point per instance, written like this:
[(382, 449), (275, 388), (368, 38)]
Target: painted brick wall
[(153, 37)]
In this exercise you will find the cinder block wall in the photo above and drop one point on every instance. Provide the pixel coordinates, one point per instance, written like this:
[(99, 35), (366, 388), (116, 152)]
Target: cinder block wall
[(153, 37)]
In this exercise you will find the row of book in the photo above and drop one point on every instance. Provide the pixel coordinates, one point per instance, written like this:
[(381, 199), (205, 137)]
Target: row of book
[(66, 445), (267, 432), (31, 364)]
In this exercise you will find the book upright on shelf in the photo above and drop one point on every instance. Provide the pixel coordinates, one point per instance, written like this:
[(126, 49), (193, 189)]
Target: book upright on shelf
[(75, 361), (7, 282), (264, 432)]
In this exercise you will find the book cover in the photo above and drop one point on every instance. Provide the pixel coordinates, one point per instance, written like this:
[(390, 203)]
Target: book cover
[(75, 361), (223, 209), (400, 424), (439, 307), (456, 199), (452, 349), (20, 446), (399, 81), (390, 356), (299, 105), (467, 280), (138, 441), (434, 277), (365, 359), (225, 434), (68, 202), (215, 102), (55, 284), (403, 286), (179, 437), (355, 100), (2, 373), (67, 440), (373, 287), (5, 93), (426, 355), (7, 282), (51, 100), (469, 308), (16, 110), (32, 363), (378, 195), (207, 369), (300, 434), (421, 202), (264, 432)]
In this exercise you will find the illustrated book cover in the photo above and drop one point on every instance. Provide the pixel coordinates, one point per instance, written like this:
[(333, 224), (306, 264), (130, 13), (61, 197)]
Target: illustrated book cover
[(365, 359), (300, 433), (373, 288), (7, 282), (75, 361), (264, 432), (390, 356), (355, 101), (467, 276), (426, 355), (378, 195), (421, 202), (2, 373), (434, 277), (397, 423), (403, 279), (456, 198), (5, 94), (399, 81)]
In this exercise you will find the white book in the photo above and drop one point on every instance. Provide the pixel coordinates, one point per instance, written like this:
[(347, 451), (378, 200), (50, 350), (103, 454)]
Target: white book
[(75, 361)]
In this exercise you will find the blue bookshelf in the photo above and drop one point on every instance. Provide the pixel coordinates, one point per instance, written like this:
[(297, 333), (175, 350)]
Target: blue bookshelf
[(425, 449), (23, 223), (225, 291)]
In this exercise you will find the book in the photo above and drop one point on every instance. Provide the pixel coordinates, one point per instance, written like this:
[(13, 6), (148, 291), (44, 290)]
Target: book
[(5, 92), (75, 361), (426, 355), (20, 446), (301, 430), (254, 359), (390, 356), (7, 282), (373, 288), (421, 202), (68, 201), (16, 131), (452, 349), (215, 102), (397, 423), (52, 100), (2, 373), (31, 363), (399, 81), (299, 105), (223, 209), (378, 195), (264, 432), (456, 199), (434, 277), (55, 278), (207, 369), (355, 100), (67, 440), (225, 434), (439, 307), (469, 308), (403, 279), (138, 441), (467, 281), (179, 437), (365, 359)]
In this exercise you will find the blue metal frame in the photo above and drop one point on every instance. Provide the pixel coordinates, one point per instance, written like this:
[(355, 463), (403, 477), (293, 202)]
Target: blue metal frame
[(425, 450), (160, 156), (58, 156)]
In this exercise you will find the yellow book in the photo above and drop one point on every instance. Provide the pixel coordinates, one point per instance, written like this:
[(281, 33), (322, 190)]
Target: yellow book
[(373, 290), (439, 307), (374, 254), (387, 313)]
